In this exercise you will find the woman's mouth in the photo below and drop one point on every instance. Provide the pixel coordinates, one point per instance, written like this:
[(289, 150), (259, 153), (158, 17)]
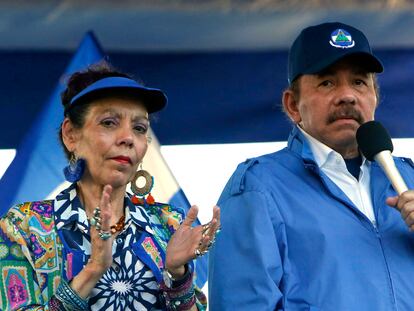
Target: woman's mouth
[(122, 159)]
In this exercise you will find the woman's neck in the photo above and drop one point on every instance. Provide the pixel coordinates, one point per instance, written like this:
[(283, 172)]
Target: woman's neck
[(90, 197)]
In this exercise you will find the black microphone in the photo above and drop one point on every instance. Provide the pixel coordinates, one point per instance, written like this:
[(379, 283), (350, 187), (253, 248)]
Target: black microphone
[(375, 144)]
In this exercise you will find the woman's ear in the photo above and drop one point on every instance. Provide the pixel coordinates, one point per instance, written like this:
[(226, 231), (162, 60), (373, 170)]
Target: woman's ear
[(290, 106), (69, 135)]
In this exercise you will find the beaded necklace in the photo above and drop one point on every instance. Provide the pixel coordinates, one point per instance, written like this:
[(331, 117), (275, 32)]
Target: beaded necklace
[(119, 226)]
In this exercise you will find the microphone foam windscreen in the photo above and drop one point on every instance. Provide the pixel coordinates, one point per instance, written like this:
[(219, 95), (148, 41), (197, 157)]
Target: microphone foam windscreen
[(373, 138)]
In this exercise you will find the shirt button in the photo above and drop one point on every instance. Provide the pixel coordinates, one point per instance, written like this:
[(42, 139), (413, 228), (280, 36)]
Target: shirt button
[(119, 240)]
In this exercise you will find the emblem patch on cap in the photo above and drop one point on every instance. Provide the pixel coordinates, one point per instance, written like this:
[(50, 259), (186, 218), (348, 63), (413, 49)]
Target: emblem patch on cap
[(341, 39)]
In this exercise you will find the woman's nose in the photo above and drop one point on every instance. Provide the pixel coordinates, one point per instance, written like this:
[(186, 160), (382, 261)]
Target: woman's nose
[(126, 137)]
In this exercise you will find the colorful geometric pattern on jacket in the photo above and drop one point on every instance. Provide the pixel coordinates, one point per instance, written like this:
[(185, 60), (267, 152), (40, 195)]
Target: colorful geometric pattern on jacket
[(42, 242), (29, 265)]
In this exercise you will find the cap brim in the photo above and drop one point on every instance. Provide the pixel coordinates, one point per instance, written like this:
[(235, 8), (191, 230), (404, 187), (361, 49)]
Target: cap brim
[(153, 99), (368, 61)]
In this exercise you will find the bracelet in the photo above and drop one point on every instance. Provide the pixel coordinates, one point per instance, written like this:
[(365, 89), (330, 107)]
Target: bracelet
[(187, 275), (70, 298), (179, 298), (55, 304)]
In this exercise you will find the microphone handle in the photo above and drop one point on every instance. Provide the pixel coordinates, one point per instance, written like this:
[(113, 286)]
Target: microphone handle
[(385, 160)]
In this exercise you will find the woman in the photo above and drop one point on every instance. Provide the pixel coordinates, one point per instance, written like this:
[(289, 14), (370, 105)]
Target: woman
[(95, 246)]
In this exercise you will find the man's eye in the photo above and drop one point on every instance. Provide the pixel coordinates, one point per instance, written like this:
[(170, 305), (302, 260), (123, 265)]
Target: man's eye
[(360, 82), (326, 83)]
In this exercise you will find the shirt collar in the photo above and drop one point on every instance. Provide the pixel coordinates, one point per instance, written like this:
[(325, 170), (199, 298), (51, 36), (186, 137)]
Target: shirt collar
[(323, 154), (70, 214), (138, 215), (320, 151)]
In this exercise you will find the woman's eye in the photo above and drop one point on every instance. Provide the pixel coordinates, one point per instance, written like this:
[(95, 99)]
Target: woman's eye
[(108, 123), (141, 128)]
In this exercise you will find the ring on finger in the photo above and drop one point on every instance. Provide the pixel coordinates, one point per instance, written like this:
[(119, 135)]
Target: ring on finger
[(93, 221), (104, 235), (206, 227), (197, 253), (97, 211), (96, 219)]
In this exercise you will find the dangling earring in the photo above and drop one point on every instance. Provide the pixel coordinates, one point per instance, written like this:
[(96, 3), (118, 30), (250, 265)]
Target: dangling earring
[(144, 190), (74, 171)]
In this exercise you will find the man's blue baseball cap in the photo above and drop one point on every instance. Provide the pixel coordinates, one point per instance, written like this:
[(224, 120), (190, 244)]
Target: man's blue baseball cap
[(153, 99), (318, 47)]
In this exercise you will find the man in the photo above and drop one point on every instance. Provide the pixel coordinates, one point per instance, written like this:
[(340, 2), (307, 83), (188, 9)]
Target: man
[(308, 227)]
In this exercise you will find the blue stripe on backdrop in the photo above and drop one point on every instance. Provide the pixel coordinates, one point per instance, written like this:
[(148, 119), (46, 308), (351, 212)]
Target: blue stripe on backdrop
[(235, 97), (37, 168), (167, 189), (179, 199), (216, 97)]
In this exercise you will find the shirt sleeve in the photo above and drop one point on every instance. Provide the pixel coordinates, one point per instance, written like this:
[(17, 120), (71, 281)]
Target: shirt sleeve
[(245, 265), (19, 285), (173, 217)]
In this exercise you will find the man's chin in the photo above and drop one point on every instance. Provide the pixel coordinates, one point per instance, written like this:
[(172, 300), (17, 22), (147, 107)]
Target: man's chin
[(345, 127)]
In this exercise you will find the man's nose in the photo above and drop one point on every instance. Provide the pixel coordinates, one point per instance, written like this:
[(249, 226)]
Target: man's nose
[(345, 95)]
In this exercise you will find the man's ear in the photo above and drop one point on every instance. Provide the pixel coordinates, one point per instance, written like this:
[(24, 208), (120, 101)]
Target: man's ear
[(290, 106), (69, 135)]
